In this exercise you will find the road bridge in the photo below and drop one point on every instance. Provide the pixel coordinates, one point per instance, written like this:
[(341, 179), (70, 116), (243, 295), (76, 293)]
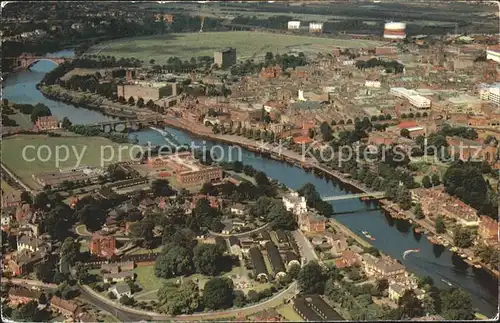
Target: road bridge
[(122, 125), (27, 60), (371, 196)]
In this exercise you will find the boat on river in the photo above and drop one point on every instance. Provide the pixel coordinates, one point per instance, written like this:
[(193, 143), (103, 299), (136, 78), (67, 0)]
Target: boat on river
[(477, 266), (409, 251), (366, 234), (447, 282)]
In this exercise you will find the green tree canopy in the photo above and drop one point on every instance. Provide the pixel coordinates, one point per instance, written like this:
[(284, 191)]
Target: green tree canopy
[(311, 278), (218, 293)]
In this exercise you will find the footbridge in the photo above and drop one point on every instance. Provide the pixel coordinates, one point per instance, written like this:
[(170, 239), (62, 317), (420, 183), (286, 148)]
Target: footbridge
[(370, 196)]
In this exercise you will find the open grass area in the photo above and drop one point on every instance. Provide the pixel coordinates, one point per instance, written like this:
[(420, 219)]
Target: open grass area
[(92, 149), (23, 120), (247, 44), (6, 188)]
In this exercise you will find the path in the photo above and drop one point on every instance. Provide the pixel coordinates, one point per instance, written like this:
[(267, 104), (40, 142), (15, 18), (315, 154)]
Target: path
[(243, 234)]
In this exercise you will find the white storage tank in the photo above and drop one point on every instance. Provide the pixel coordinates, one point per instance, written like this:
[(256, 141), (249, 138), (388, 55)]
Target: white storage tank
[(395, 30)]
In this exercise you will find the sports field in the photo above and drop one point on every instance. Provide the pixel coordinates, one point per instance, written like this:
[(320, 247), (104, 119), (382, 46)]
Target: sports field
[(12, 154), (248, 44)]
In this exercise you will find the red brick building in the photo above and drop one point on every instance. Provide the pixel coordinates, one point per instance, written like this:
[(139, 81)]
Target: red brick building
[(45, 123), (12, 199), (311, 222), (271, 71), (66, 308), (101, 245)]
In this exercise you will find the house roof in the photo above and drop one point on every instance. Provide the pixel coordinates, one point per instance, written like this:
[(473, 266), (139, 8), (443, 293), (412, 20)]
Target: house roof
[(274, 257), (121, 288), (122, 274), (258, 261), (24, 292), (304, 310), (281, 235), (63, 304), (234, 241), (325, 310)]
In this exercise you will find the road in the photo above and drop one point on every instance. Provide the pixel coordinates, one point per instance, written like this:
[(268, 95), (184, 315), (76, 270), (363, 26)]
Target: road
[(306, 248), (15, 178)]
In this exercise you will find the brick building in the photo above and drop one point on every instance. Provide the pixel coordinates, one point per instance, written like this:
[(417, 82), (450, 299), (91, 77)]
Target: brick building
[(102, 246), (473, 150), (21, 295), (271, 72), (67, 308), (311, 222), (11, 199), (149, 91), (186, 168), (47, 123)]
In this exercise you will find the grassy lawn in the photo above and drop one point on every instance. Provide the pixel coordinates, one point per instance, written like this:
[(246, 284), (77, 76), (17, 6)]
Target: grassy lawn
[(187, 45), (141, 251), (6, 188), (84, 246), (91, 147), (147, 279), (23, 120), (288, 313)]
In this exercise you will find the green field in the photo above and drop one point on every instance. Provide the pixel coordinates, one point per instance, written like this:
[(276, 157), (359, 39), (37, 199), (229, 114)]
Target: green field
[(6, 188), (12, 157), (247, 44)]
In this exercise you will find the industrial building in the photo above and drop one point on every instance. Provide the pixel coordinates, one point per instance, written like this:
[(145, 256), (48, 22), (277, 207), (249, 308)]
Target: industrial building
[(225, 58), (493, 53)]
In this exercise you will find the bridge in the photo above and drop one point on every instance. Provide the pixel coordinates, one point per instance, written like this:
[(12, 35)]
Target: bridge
[(371, 196), (27, 60), (122, 125)]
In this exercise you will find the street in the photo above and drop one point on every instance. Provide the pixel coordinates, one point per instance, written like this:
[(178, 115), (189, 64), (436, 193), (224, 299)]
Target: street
[(306, 249)]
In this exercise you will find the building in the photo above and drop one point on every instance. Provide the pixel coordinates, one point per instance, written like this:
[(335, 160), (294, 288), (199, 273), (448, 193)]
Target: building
[(349, 258), (67, 308), (281, 236), (396, 291), (20, 295), (56, 178), (488, 230), (238, 209), (269, 315), (30, 243), (147, 91), (395, 30), (472, 150), (271, 72), (11, 199), (259, 266), (493, 53), (316, 27), (384, 267), (324, 310), (275, 260), (120, 290), (291, 259), (300, 305), (385, 51), (102, 245), (490, 92), (47, 123), (311, 222), (293, 25), (225, 58), (374, 84), (295, 203), (187, 169), (436, 201), (118, 277), (418, 101)]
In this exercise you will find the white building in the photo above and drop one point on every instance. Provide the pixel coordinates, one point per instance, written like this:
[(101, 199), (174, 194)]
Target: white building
[(238, 209), (375, 84), (490, 92), (120, 290), (348, 62), (412, 96), (295, 203), (293, 24), (493, 54), (316, 27)]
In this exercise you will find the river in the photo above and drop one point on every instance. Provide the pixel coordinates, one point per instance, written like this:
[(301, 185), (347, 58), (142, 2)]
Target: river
[(393, 237)]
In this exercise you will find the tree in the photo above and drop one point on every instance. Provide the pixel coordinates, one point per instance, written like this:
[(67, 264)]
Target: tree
[(440, 227), (261, 179), (81, 273), (456, 304), (218, 293), (125, 300), (140, 102), (42, 299), (161, 187), (239, 298), (26, 197), (152, 61), (207, 259), (174, 261), (293, 271), (419, 214), (184, 300), (208, 189), (91, 214), (66, 123), (405, 133), (69, 251), (131, 100), (462, 237), (253, 296), (40, 110), (410, 305), (27, 312), (426, 181), (311, 278), (382, 284), (326, 131)]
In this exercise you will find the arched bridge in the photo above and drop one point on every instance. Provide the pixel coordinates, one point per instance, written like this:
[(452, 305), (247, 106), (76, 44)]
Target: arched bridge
[(27, 60), (371, 196)]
